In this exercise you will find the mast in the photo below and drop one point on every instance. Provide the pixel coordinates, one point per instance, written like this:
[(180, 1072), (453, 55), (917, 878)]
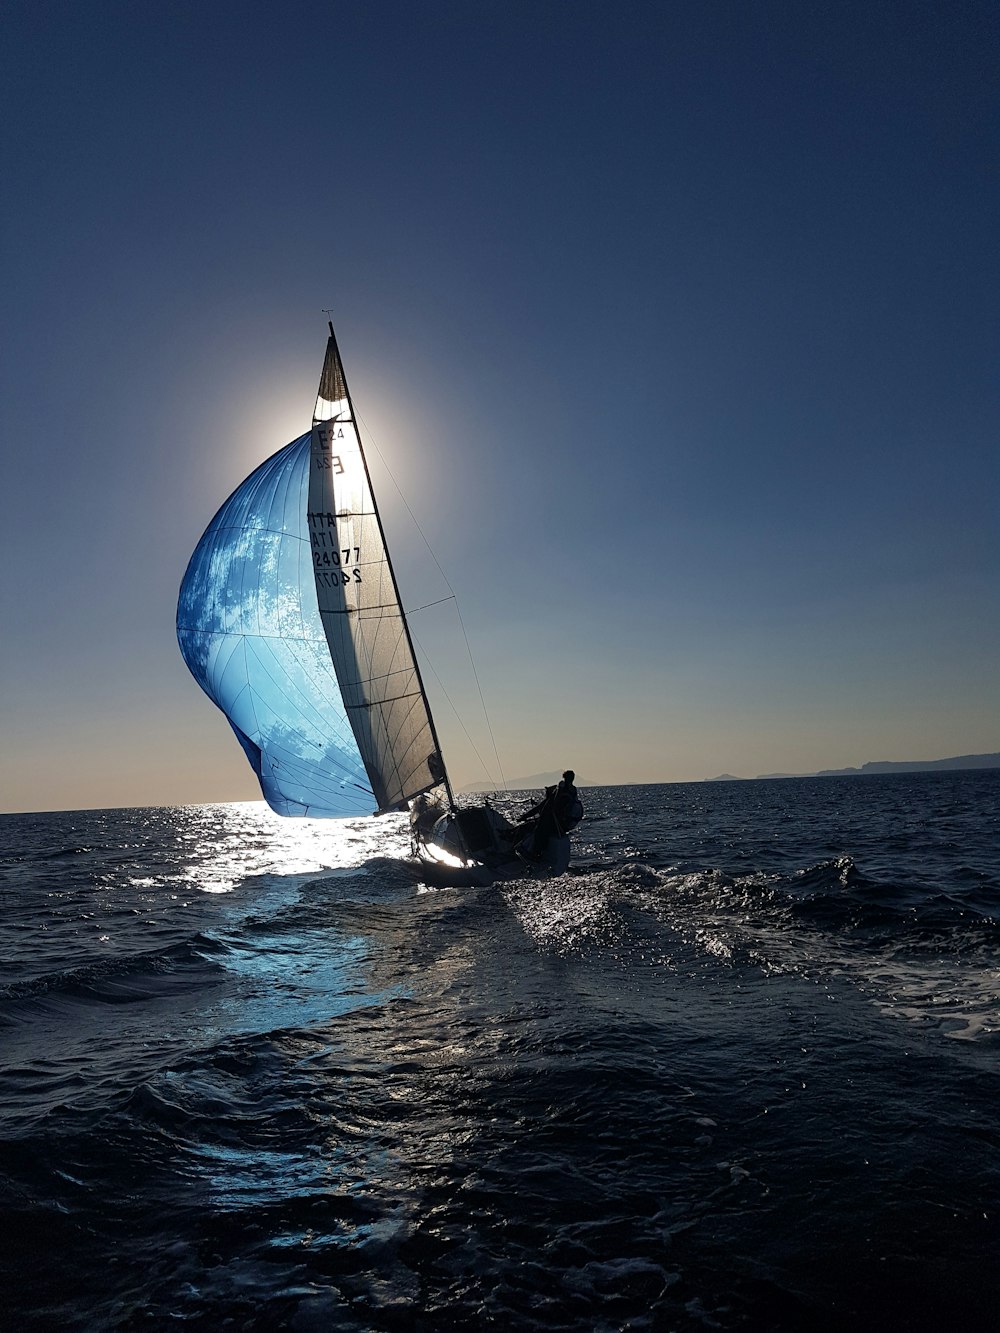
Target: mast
[(339, 365)]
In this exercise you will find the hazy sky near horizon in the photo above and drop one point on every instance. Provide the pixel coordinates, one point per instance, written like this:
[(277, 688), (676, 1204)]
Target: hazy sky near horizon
[(675, 323)]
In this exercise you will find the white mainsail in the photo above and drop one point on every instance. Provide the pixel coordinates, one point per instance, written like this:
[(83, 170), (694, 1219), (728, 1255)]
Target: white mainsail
[(359, 605)]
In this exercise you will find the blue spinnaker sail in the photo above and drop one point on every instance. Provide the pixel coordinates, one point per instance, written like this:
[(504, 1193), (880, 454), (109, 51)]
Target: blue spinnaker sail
[(249, 629)]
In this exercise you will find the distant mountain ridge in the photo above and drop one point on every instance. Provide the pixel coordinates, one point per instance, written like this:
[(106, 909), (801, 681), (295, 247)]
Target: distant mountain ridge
[(533, 783), (885, 766)]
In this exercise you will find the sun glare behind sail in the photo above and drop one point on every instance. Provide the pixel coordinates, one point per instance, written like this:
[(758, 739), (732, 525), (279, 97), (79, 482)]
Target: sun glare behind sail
[(249, 629)]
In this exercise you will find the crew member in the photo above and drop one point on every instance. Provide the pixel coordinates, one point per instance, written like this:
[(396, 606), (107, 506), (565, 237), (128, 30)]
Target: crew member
[(555, 813)]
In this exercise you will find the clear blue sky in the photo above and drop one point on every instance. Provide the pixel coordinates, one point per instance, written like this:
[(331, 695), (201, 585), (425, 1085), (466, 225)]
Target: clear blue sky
[(676, 323)]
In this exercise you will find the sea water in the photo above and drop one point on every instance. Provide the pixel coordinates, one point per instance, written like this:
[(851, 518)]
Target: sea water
[(737, 1070)]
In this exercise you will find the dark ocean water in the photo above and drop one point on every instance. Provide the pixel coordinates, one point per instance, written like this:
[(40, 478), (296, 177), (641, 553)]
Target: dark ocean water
[(739, 1070)]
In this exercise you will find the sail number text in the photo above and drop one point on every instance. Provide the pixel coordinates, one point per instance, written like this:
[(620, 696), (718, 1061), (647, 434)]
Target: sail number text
[(338, 578), (330, 559), (333, 564), (326, 461), (330, 461), (333, 557)]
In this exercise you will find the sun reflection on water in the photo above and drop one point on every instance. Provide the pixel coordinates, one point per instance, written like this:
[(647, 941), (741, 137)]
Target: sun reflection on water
[(232, 841)]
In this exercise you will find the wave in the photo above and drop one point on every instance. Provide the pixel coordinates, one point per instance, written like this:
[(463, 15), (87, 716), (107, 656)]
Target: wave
[(899, 943), (117, 980), (837, 896), (833, 895)]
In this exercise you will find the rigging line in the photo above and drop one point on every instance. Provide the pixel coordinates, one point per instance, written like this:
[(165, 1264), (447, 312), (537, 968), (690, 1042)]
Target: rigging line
[(454, 710), (406, 504), (479, 687), (468, 647), (427, 605)]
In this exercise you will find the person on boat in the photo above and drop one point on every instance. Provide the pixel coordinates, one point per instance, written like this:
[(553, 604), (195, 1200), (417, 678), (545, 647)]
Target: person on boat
[(424, 814), (556, 813), (566, 799)]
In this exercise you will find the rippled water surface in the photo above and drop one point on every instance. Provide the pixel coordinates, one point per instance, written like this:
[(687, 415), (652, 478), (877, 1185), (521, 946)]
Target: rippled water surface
[(738, 1070)]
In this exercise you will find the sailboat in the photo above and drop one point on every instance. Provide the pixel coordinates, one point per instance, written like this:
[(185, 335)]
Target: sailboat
[(289, 617)]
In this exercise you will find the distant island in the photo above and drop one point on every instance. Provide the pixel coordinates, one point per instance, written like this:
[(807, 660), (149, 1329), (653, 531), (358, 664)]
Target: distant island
[(884, 766), (533, 783)]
